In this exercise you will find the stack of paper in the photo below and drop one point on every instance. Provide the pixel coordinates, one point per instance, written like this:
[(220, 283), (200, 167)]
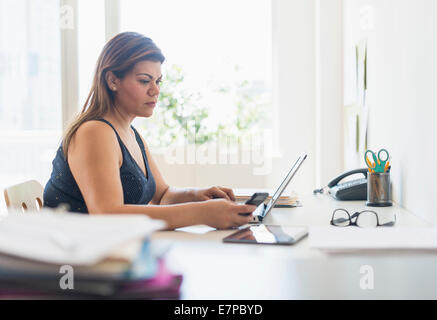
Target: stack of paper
[(58, 255), (286, 200), (382, 238)]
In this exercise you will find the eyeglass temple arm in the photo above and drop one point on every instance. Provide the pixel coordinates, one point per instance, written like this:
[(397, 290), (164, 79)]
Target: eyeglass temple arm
[(389, 224), (338, 220)]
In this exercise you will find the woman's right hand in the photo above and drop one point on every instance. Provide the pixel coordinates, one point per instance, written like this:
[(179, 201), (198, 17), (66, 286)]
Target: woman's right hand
[(225, 214)]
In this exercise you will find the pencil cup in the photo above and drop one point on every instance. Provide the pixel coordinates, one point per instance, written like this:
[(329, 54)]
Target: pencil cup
[(378, 189)]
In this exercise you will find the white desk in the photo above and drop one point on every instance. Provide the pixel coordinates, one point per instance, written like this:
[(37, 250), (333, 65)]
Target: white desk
[(216, 270)]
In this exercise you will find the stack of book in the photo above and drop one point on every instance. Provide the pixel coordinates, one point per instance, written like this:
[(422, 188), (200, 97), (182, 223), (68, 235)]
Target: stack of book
[(50, 255), (286, 200)]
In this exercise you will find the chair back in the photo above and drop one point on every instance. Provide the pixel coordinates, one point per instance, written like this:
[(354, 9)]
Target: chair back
[(24, 196)]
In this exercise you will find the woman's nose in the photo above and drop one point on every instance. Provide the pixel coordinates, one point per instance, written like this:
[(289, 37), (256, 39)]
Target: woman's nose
[(153, 90)]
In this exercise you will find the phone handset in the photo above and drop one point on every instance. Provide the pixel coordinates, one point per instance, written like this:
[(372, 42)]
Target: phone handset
[(336, 180)]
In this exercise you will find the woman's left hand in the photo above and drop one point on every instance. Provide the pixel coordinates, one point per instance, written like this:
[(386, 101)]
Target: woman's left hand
[(214, 193)]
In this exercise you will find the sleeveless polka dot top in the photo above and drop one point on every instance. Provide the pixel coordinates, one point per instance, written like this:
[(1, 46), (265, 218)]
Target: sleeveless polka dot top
[(63, 189)]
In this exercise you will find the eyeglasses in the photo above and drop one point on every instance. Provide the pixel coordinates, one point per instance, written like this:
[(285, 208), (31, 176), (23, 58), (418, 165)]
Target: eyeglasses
[(363, 219)]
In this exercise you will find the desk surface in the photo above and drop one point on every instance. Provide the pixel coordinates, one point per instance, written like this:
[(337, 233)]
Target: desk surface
[(216, 270)]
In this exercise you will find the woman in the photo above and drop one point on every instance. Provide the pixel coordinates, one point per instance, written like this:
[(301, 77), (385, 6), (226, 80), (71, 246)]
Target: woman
[(105, 166)]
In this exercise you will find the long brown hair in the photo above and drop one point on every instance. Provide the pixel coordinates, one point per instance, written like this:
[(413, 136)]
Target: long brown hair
[(119, 55)]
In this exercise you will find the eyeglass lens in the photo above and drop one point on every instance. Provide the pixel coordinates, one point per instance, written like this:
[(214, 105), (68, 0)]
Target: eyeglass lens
[(364, 219), (367, 219), (341, 218)]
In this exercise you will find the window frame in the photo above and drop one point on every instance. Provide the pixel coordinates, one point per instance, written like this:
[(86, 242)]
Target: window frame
[(69, 66), (70, 55)]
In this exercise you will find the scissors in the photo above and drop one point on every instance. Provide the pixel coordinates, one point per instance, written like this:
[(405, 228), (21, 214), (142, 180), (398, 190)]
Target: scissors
[(379, 163)]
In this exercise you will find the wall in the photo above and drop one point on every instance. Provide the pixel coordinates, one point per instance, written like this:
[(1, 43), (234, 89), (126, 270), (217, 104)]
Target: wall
[(402, 70), (294, 90), (329, 90)]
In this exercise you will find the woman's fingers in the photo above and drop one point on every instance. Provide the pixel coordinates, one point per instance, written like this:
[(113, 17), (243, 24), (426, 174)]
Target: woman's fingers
[(225, 214), (229, 192), (215, 192), (244, 208), (243, 214)]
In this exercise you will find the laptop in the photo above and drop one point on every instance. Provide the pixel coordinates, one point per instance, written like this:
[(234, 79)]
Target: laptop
[(264, 209)]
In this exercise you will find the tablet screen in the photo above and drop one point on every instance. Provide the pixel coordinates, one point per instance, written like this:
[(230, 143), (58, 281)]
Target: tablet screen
[(265, 234)]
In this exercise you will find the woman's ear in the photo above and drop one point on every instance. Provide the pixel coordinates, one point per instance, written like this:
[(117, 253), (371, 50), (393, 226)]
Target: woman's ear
[(111, 81)]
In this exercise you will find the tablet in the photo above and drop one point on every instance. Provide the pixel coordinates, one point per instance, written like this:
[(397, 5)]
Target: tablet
[(265, 234)]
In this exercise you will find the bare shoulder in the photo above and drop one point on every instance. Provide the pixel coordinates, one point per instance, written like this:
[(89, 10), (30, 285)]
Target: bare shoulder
[(94, 128), (93, 136)]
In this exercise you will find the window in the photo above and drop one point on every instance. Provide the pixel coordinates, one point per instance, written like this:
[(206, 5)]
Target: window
[(221, 49), (217, 74), (91, 39), (30, 89)]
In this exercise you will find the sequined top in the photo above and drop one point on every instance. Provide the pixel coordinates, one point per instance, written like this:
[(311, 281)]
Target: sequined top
[(63, 189)]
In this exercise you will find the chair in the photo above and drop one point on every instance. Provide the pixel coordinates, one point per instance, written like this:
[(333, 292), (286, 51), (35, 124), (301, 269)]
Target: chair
[(24, 196)]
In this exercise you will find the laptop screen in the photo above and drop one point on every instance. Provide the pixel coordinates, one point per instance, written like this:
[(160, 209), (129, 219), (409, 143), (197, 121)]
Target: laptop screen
[(284, 184)]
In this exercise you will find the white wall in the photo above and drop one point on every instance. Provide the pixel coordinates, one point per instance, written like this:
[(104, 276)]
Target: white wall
[(402, 71), (329, 90), (294, 89)]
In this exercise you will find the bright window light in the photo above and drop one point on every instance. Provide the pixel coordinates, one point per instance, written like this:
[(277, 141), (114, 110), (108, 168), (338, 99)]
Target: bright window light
[(91, 39), (30, 89), (222, 52)]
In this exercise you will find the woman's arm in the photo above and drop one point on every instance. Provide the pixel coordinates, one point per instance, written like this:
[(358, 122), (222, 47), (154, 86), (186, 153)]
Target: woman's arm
[(174, 195), (217, 213), (95, 158)]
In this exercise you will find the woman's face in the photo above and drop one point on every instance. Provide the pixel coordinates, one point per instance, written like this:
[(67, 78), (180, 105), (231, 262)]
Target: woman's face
[(137, 93)]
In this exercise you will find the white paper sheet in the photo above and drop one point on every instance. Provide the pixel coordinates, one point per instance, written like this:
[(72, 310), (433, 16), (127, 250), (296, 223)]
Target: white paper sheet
[(75, 239)]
